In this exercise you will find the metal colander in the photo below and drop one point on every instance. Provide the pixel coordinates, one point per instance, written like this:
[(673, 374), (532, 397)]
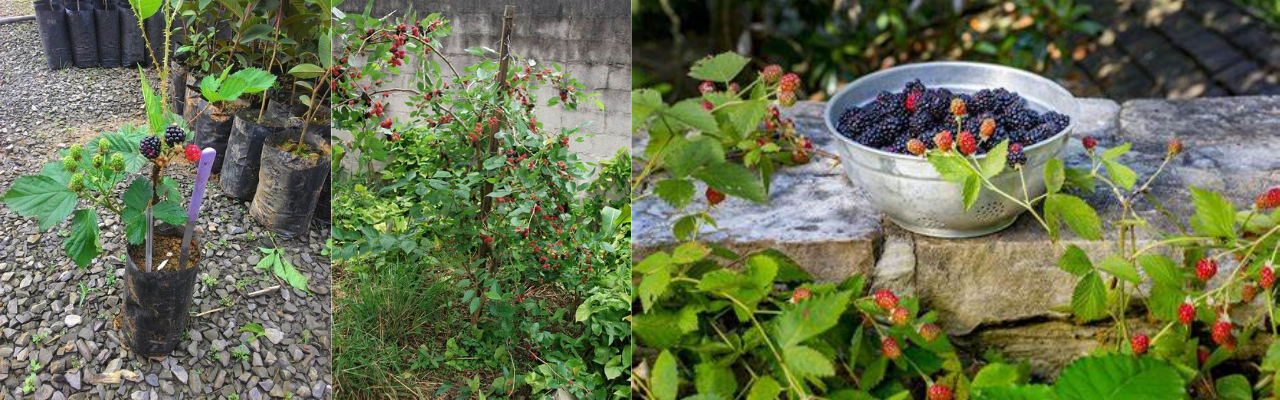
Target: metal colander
[(907, 189)]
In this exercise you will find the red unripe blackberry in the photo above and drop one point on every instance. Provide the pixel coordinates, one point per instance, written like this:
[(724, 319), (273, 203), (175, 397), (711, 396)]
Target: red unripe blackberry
[(889, 346), (929, 332), (1269, 199), (939, 392), (1089, 142), (174, 136), (915, 146), (1206, 269), (787, 99), (487, 238), (1266, 277), (957, 107), (885, 299), (801, 294), (1139, 343), (943, 141), (706, 105), (1248, 292), (912, 98), (706, 87), (1016, 157), (967, 143), (771, 73), (192, 152), (789, 82), (1186, 313), (386, 123), (1222, 332), (900, 315), (987, 128), (714, 197), (1174, 147), (150, 147)]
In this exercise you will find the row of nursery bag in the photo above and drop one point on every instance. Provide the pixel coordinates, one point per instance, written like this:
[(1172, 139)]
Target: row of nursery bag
[(96, 33)]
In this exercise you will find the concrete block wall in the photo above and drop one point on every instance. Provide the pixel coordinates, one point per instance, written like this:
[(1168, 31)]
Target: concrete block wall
[(590, 40)]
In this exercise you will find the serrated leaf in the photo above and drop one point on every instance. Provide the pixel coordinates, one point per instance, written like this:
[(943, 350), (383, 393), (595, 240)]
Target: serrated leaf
[(1088, 300), (721, 68), (686, 156), (676, 192), (306, 71), (1075, 261), (1234, 387), (41, 197), (665, 383), (1215, 216), (83, 244), (690, 114), (1117, 266), (1054, 175), (972, 187), (994, 161), (874, 374), (951, 168), (734, 180), (170, 212), (807, 362), (765, 388), (1162, 270), (997, 374), (689, 252), (711, 378), (1121, 175), (810, 318), (644, 104), (1120, 377), (1078, 215), (1115, 152), (1271, 362)]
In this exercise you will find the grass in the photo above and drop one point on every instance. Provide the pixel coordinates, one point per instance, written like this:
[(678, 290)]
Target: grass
[(382, 317)]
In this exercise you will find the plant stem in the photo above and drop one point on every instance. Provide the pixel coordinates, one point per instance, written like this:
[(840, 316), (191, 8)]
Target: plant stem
[(275, 46)]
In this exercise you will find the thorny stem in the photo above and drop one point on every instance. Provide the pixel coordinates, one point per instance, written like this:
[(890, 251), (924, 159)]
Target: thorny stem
[(275, 46)]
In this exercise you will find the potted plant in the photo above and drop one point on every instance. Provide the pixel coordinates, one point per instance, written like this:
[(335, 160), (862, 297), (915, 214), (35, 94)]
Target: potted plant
[(158, 287), (221, 94), (295, 164)]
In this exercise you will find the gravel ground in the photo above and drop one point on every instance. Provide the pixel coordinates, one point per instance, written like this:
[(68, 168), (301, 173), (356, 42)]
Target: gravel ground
[(63, 316), (14, 8)]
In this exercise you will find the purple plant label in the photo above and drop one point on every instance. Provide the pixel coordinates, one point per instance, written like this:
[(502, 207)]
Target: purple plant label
[(202, 176)]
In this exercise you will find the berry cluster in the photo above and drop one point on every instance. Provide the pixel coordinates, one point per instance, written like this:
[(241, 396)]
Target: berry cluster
[(152, 148), (919, 118)]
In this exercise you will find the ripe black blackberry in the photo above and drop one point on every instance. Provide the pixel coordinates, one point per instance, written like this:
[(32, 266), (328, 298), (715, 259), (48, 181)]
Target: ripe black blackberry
[(892, 103), (1020, 118), (150, 147), (1055, 121), (934, 102), (914, 86), (882, 133), (920, 123), (847, 125), (174, 136), (984, 101)]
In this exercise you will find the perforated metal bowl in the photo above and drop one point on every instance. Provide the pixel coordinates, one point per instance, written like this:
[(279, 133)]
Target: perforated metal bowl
[(907, 189)]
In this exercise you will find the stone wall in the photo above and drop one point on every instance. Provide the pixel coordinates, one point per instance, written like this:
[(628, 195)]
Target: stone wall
[(1003, 290), (591, 40)]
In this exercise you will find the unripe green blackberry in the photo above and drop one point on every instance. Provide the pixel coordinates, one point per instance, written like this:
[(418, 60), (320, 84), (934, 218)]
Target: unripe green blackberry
[(174, 136), (77, 182), (76, 152), (98, 160), (117, 162), (69, 164), (103, 145)]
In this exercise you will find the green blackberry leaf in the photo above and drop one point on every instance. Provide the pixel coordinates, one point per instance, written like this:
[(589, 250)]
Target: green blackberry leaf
[(721, 68), (1119, 377), (676, 192), (665, 383), (42, 197), (1088, 300), (82, 245)]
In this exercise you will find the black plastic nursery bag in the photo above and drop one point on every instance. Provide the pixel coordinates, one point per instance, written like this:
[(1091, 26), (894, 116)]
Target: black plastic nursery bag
[(51, 21)]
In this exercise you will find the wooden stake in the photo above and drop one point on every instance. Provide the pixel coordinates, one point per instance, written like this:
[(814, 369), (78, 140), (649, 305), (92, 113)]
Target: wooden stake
[(486, 202)]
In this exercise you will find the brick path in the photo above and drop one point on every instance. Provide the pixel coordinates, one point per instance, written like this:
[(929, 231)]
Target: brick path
[(1177, 49)]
